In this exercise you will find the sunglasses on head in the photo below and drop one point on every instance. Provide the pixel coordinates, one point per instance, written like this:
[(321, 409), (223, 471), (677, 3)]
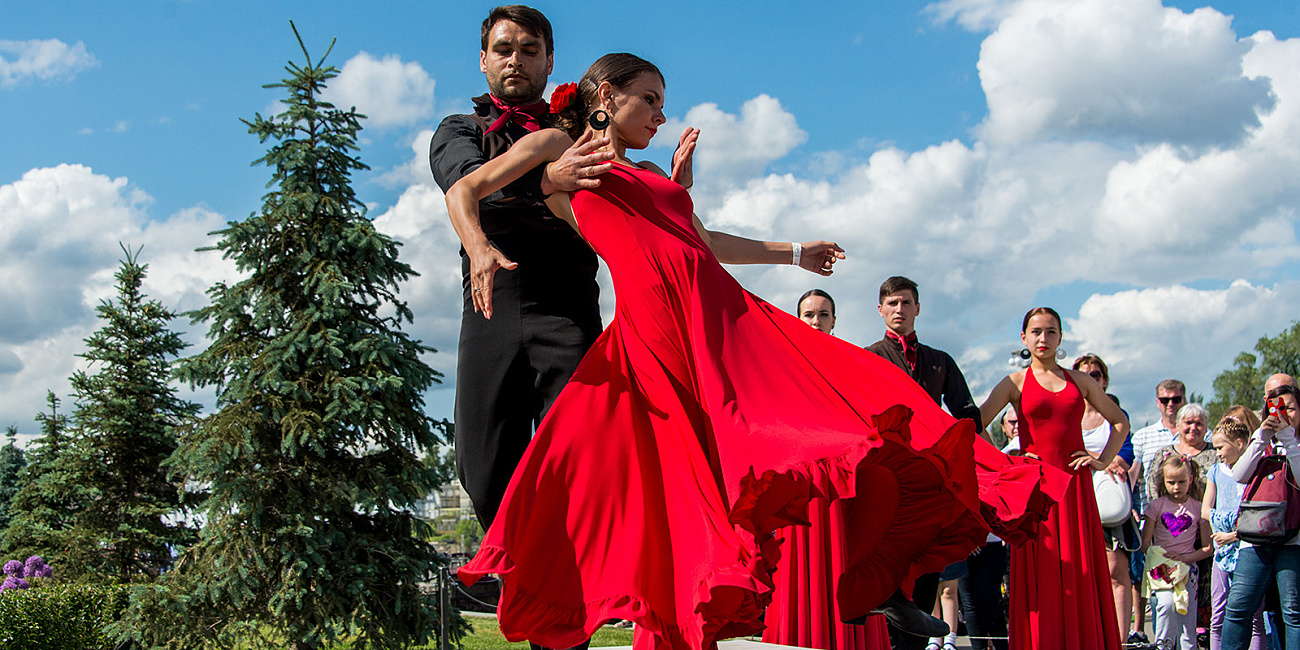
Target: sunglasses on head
[(1170, 400)]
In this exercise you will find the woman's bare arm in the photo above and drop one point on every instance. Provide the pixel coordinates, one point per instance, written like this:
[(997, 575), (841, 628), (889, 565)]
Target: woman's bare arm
[(999, 398), (1096, 397)]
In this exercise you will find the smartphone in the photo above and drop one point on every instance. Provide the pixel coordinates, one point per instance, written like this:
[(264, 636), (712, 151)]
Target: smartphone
[(1275, 408)]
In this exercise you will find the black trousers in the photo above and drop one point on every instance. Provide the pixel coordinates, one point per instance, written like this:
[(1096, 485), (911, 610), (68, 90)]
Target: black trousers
[(924, 593), (510, 369), (980, 592)]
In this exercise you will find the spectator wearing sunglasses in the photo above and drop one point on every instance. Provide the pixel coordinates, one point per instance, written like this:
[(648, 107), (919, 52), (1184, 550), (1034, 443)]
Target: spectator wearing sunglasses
[(1147, 443), (1171, 394)]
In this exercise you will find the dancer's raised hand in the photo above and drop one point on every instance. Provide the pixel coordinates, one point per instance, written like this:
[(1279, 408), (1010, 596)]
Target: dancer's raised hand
[(683, 158)]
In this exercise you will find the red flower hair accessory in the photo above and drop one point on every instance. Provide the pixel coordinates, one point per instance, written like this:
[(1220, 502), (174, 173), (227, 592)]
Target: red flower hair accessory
[(563, 96)]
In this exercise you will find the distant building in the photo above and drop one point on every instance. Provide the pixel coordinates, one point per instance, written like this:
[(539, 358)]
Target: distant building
[(445, 507)]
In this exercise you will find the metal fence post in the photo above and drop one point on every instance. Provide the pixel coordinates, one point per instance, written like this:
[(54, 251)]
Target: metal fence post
[(444, 605)]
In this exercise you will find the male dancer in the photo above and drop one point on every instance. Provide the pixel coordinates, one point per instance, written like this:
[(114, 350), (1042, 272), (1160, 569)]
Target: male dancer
[(933, 369), (515, 359), (939, 375)]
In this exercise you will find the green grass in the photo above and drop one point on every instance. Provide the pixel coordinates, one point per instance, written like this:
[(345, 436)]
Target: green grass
[(486, 635)]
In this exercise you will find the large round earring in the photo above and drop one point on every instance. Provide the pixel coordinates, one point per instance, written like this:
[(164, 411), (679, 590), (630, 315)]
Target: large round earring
[(1019, 359), (598, 119), (1060, 353)]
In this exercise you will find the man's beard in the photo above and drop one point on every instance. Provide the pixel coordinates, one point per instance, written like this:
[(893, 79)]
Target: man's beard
[(517, 94)]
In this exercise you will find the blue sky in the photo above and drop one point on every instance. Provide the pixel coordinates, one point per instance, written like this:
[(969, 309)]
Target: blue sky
[(1135, 165)]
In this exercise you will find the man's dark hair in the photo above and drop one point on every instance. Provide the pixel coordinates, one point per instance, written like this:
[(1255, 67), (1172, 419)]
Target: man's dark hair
[(530, 19), (894, 285), (814, 292)]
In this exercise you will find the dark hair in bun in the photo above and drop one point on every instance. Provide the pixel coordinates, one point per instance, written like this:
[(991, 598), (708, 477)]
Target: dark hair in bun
[(619, 69)]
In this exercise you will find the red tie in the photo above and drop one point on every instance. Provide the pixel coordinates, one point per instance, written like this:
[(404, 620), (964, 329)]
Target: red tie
[(527, 116), (909, 347)]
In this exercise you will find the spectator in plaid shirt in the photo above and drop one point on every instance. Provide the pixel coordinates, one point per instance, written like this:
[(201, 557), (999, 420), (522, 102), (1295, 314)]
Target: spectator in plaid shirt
[(1171, 394)]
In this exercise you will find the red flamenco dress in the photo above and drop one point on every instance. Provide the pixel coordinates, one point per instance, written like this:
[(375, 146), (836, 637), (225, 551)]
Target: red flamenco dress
[(701, 421), (1060, 582), (802, 612)]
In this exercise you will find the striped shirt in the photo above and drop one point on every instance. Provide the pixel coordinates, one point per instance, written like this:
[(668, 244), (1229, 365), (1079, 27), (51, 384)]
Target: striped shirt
[(1147, 442)]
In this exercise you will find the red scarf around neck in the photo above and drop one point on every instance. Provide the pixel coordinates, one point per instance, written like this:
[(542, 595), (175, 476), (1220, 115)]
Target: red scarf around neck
[(528, 116)]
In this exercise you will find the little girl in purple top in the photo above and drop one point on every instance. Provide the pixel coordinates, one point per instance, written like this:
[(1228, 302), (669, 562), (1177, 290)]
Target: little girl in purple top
[(1171, 523)]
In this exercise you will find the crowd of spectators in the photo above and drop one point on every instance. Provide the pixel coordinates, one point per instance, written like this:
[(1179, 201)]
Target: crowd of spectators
[(1175, 559)]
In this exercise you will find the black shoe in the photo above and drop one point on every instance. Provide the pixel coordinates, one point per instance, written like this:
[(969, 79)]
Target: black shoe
[(903, 614)]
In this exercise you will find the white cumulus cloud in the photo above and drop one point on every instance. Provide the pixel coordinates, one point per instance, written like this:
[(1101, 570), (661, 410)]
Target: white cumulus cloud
[(1130, 70), (41, 59), (58, 251), (734, 147), (1139, 169), (1179, 332), (414, 171), (386, 90), (1021, 216)]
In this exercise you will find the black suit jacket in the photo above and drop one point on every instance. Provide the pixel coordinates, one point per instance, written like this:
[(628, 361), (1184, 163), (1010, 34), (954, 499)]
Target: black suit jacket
[(937, 373)]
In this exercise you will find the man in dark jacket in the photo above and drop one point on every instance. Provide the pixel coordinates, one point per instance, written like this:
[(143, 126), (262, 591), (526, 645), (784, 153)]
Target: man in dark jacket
[(939, 375), (933, 369)]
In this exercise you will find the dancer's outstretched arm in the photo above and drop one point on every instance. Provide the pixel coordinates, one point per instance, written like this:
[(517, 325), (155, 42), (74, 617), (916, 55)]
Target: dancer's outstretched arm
[(816, 256), (463, 197)]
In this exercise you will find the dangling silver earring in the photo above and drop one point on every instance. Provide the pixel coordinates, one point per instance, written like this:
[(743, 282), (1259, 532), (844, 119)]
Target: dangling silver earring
[(1019, 359), (599, 119)]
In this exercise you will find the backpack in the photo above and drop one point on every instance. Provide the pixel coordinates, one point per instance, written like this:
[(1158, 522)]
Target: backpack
[(1270, 507)]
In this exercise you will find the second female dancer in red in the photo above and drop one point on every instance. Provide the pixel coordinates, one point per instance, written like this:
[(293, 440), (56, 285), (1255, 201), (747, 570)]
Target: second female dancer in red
[(1060, 583), (653, 486)]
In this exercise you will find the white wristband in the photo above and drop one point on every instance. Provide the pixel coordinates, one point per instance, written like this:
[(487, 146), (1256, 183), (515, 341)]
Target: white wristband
[(798, 252)]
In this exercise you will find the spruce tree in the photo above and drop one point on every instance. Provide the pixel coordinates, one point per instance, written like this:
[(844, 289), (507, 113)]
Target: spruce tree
[(46, 500), (313, 456), (12, 463), (126, 410)]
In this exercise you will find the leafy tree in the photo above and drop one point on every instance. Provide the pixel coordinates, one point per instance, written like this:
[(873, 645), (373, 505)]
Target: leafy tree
[(469, 532), (313, 459), (12, 462), (1244, 382), (442, 461), (125, 415), (46, 500)]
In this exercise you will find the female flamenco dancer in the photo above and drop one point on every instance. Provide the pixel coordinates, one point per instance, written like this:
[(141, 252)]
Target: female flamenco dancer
[(652, 488), (1060, 586), (802, 612)]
